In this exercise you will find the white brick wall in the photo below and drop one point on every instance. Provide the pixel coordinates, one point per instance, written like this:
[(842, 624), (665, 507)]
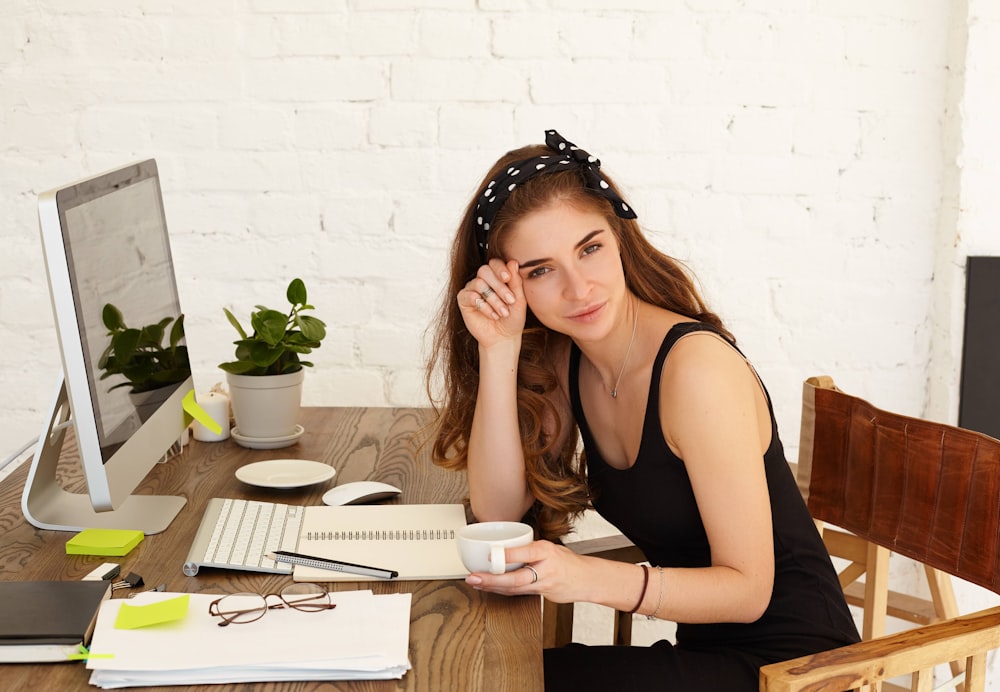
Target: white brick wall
[(824, 167)]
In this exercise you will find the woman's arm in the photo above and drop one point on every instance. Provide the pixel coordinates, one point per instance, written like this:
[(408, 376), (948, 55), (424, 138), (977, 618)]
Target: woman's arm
[(498, 489), (495, 466), (715, 417)]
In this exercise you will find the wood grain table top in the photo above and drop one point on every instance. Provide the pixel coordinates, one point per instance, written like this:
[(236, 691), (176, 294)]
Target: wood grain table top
[(460, 638)]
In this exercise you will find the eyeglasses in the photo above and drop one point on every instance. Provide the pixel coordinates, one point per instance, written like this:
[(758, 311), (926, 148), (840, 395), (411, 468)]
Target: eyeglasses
[(241, 608)]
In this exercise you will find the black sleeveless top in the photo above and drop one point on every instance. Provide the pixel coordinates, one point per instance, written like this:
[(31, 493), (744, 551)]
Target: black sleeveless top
[(653, 504)]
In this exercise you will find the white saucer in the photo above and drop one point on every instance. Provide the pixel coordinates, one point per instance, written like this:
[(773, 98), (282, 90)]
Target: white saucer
[(267, 442), (285, 473)]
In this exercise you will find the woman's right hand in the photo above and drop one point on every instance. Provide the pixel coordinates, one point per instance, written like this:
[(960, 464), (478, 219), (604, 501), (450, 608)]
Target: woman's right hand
[(499, 314)]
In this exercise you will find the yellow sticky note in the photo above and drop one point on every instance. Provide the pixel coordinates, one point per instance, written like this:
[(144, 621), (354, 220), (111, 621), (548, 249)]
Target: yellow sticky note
[(132, 617), (107, 542), (194, 409)]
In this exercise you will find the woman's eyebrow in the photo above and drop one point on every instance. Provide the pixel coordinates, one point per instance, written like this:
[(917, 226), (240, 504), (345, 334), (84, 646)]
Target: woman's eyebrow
[(583, 241)]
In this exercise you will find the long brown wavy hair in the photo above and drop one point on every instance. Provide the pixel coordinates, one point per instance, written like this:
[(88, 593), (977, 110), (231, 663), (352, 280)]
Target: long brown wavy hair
[(555, 477)]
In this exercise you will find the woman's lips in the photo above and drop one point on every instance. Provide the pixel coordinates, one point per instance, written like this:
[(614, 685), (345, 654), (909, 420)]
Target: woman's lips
[(587, 314)]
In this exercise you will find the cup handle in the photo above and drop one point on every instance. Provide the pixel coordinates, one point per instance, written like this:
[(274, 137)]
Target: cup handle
[(498, 559)]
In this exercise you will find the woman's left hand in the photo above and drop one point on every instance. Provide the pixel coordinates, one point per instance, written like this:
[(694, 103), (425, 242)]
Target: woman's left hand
[(547, 570)]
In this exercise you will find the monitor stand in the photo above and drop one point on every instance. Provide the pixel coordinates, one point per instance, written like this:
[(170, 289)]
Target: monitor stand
[(47, 505)]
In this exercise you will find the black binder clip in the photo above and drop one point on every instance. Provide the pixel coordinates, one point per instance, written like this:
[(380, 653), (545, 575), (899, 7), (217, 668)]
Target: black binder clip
[(131, 581)]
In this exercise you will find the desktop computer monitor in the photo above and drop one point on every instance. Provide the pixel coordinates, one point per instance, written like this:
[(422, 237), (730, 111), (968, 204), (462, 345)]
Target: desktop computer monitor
[(109, 267)]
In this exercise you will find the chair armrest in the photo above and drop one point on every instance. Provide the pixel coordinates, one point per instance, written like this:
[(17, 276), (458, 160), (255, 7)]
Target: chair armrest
[(886, 657), (614, 547)]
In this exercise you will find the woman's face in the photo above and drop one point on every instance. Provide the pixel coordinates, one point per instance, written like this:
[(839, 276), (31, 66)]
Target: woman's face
[(571, 268)]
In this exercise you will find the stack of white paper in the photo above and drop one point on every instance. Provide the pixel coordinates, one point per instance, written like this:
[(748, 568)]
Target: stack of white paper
[(366, 637)]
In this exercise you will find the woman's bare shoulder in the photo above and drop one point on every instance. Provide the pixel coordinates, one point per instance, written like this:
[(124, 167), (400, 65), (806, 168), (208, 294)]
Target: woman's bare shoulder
[(700, 362)]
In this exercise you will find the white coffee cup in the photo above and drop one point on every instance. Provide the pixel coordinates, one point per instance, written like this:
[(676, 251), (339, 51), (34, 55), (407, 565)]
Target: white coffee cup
[(482, 546)]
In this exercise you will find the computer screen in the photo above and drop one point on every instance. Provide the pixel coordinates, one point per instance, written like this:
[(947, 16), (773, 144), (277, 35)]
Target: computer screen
[(124, 359)]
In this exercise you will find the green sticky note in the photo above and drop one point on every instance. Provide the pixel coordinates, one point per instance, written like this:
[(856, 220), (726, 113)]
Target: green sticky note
[(113, 542), (132, 617)]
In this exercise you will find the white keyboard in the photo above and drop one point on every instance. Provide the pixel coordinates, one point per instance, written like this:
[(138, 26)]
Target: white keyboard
[(238, 534)]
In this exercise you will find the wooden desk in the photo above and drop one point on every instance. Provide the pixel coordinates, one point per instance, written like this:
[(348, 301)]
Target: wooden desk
[(460, 638)]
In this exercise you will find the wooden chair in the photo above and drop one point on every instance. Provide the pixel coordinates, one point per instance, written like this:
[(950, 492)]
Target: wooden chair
[(865, 552), (926, 490)]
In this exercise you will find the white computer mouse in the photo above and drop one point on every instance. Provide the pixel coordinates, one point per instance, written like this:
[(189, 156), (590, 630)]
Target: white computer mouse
[(358, 492)]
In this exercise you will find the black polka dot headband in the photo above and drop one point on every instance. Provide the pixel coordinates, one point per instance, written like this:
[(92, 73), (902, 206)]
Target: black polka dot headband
[(566, 156)]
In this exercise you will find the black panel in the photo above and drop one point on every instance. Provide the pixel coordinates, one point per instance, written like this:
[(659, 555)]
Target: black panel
[(979, 403)]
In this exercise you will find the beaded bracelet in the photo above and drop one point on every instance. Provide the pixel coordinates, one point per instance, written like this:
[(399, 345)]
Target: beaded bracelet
[(659, 598), (645, 583)]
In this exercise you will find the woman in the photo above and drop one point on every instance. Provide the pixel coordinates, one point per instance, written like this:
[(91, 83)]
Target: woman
[(562, 321)]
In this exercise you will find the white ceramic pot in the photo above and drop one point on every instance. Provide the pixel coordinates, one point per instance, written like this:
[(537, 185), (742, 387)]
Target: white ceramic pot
[(266, 406)]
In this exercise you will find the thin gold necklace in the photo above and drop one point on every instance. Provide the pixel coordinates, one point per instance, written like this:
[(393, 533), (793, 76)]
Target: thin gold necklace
[(628, 352)]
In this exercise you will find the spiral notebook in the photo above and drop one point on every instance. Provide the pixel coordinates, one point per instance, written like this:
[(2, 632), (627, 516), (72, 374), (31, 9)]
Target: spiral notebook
[(418, 541)]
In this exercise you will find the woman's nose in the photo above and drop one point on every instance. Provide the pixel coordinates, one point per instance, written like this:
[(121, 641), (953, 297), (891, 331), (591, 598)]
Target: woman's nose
[(576, 284)]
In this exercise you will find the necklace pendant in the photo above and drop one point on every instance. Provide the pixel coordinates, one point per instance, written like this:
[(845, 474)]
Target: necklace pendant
[(614, 393)]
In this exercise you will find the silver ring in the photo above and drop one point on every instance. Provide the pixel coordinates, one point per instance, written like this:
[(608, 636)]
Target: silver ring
[(479, 303), (487, 293), (534, 574)]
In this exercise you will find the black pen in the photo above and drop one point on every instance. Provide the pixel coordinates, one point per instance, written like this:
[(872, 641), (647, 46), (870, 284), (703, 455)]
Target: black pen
[(334, 565)]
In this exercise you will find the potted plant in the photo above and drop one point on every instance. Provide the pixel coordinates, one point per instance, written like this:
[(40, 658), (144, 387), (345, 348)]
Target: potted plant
[(149, 366), (265, 379)]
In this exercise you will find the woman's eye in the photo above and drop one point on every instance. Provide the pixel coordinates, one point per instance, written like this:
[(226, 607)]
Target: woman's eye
[(593, 247), (535, 273)]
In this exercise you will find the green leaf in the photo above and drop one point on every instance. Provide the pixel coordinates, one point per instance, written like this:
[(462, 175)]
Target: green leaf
[(269, 325), (177, 333), (312, 328), (238, 367), (296, 292), (126, 345), (262, 355), (106, 358), (235, 322), (112, 317), (243, 349), (151, 335)]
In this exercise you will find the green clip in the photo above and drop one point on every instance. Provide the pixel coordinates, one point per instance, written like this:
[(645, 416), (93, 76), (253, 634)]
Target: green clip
[(83, 653)]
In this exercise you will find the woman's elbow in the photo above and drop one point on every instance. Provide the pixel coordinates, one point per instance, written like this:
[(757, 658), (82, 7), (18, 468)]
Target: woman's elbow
[(758, 599), (493, 511), (484, 512), (755, 610)]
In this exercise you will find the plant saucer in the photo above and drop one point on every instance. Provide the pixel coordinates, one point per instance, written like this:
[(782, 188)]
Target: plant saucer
[(267, 442)]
